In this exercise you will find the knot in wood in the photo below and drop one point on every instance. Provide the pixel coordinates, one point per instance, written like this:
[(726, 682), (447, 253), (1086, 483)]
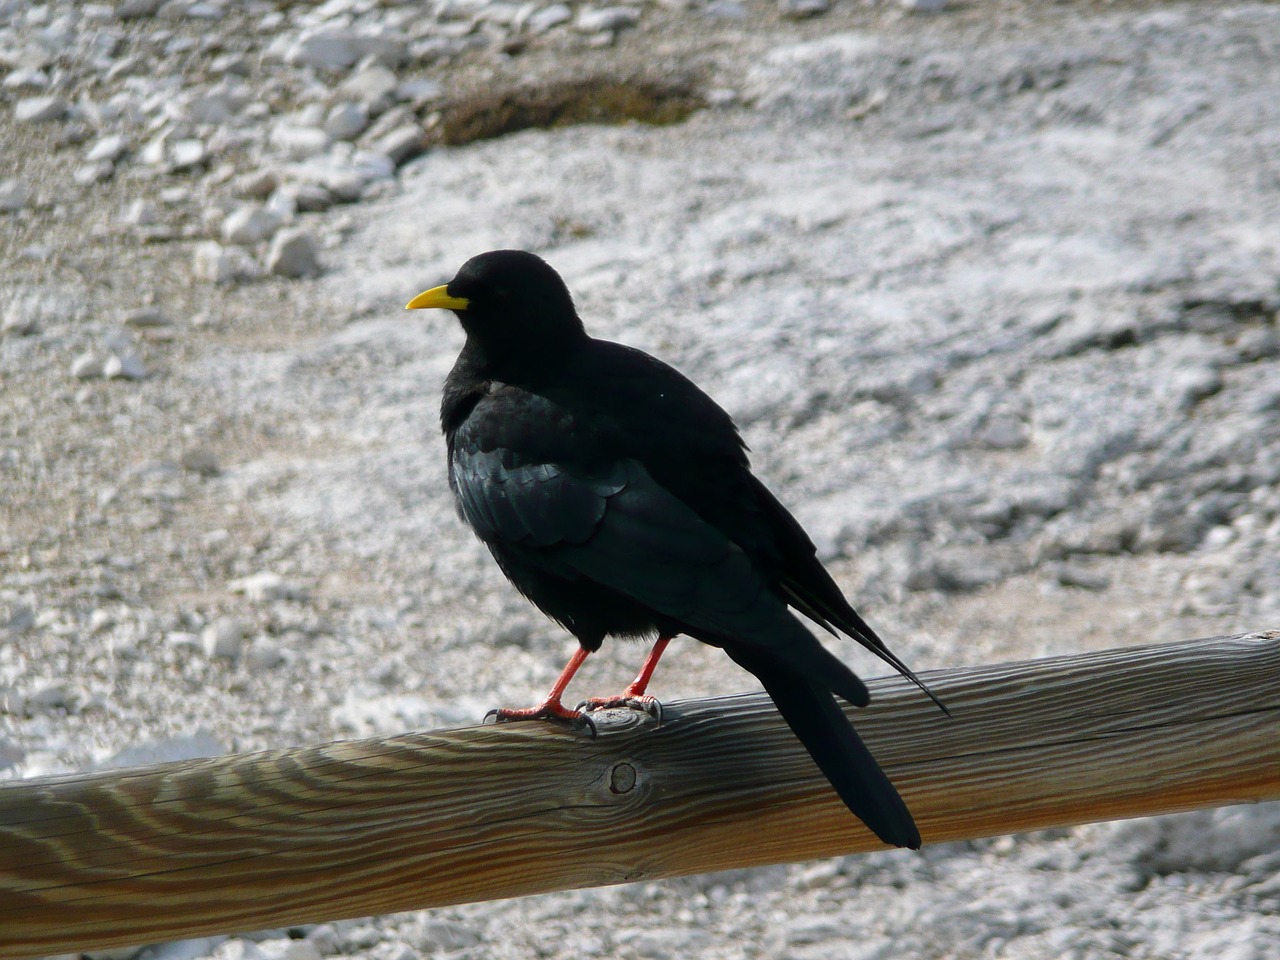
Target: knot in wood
[(622, 778)]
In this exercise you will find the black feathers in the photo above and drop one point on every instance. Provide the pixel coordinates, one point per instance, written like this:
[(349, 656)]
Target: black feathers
[(617, 496)]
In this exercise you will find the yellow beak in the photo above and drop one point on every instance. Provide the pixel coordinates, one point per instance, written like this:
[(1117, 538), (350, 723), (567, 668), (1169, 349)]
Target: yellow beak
[(437, 298)]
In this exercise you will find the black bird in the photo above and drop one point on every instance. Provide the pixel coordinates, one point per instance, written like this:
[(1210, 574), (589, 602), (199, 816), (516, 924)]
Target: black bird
[(617, 496)]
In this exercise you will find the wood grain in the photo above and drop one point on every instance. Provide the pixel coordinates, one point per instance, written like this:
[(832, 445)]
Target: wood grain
[(372, 826)]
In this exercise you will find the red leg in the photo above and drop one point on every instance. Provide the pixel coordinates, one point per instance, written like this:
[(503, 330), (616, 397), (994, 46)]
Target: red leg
[(634, 695), (551, 708)]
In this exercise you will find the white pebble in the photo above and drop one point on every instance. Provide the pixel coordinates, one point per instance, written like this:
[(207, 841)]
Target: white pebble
[(87, 366), (140, 213), (402, 144), (293, 253), (182, 640), (13, 196), (185, 154), (145, 317), (223, 638), (91, 173), (249, 226), (346, 121), (26, 78), (124, 366), (725, 10), (218, 264), (543, 20), (420, 90), (598, 20), (803, 9), (134, 9), (262, 587), (110, 148), (257, 185), (373, 86), (264, 653), (101, 620), (298, 143), (40, 109)]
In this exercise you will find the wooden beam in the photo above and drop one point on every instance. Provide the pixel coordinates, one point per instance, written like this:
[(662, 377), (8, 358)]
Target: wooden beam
[(373, 826)]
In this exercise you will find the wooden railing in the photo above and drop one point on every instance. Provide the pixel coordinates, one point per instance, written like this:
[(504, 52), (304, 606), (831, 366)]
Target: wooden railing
[(372, 826)]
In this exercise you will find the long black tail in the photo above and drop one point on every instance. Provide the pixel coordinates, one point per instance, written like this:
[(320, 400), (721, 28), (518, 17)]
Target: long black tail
[(819, 724)]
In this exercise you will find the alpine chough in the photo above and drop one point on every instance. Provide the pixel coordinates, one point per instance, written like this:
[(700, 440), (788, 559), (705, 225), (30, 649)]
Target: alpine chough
[(618, 498)]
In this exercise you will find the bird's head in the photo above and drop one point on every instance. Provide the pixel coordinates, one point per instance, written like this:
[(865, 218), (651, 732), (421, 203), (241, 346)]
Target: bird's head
[(513, 306)]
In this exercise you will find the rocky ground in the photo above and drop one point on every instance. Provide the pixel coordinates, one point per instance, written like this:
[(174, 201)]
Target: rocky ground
[(992, 290)]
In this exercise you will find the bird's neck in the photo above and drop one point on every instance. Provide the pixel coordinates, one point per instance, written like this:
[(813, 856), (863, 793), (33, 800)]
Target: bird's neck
[(520, 364)]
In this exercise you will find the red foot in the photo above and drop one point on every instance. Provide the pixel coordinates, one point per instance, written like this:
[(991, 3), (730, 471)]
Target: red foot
[(634, 696), (647, 703), (632, 701), (550, 709)]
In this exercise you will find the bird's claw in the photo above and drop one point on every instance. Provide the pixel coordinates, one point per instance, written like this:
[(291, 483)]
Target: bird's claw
[(553, 712), (642, 702)]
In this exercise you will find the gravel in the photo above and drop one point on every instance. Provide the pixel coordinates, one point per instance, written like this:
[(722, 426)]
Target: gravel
[(992, 292)]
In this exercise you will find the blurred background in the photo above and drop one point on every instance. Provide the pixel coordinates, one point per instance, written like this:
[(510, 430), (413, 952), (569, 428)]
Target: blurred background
[(990, 288)]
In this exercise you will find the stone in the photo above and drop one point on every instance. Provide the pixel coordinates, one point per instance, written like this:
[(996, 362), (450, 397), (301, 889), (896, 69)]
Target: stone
[(257, 185), (923, 6), (145, 317), (1190, 385), (346, 121), (14, 196), (140, 213), (26, 78), (214, 107), (110, 148), (218, 264), (725, 10), (40, 109), (294, 253), (803, 9), (264, 653), (395, 117), (263, 587), (308, 197), (373, 85), (402, 144), (155, 152), (88, 174), (22, 318), (298, 143), (606, 19), (186, 155), (439, 936), (337, 48), (136, 9), (124, 366), (87, 366), (223, 638), (419, 91), (1071, 574), (249, 226)]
